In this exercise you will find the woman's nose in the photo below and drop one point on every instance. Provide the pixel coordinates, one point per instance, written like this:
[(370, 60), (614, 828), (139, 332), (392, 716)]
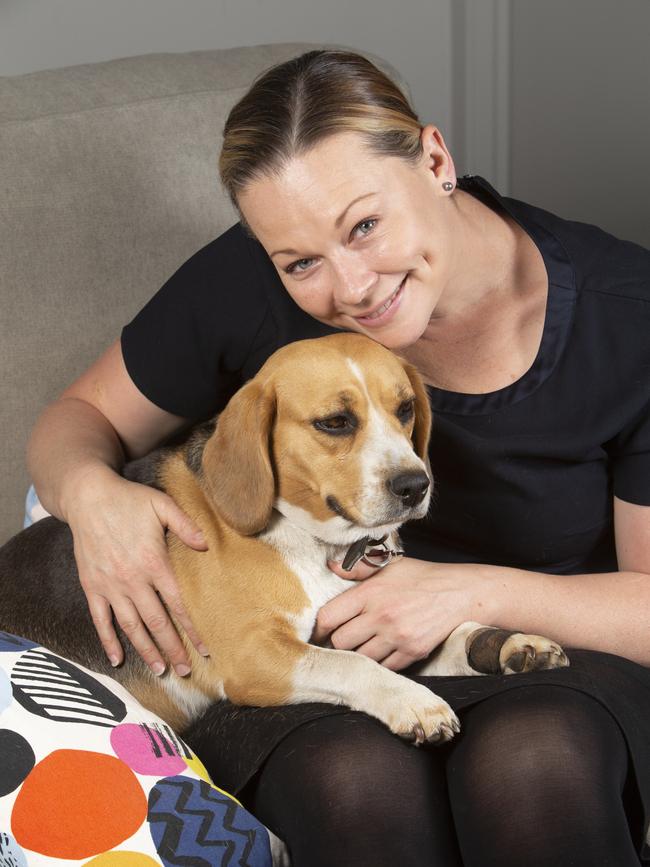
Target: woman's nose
[(352, 279)]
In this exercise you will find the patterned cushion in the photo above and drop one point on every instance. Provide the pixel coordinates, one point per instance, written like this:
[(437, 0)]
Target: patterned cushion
[(89, 776)]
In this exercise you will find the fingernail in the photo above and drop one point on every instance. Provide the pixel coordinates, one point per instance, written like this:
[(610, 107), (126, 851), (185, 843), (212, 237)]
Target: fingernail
[(114, 661), (158, 668), (203, 650), (182, 670)]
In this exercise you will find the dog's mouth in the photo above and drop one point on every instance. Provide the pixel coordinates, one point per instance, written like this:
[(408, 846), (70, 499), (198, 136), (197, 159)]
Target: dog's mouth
[(337, 508), (385, 525)]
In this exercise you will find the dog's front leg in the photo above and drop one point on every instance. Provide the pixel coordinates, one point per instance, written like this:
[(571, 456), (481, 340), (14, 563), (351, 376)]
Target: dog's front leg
[(344, 677), (476, 649)]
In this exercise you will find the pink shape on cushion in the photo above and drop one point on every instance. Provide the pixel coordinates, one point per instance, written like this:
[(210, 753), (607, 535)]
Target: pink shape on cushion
[(148, 748)]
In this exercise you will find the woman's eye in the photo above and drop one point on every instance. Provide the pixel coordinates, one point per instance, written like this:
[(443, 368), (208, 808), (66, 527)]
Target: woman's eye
[(365, 226), (406, 410), (336, 424), (299, 265)]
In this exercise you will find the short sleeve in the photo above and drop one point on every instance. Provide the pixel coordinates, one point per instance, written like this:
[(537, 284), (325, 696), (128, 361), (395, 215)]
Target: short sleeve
[(629, 454), (186, 348), (630, 460)]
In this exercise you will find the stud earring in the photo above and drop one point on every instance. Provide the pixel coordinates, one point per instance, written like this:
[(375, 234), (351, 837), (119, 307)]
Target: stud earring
[(447, 186)]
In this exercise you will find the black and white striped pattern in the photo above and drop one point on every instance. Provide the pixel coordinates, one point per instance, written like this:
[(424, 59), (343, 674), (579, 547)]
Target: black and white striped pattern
[(52, 687)]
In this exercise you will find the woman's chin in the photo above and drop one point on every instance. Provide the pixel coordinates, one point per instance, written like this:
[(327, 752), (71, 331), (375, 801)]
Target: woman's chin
[(400, 335)]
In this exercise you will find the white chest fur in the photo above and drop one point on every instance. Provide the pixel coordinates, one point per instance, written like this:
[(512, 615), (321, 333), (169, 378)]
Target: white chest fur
[(307, 557)]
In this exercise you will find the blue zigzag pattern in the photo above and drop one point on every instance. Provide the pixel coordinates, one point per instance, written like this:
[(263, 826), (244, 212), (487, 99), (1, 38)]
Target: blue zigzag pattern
[(193, 824)]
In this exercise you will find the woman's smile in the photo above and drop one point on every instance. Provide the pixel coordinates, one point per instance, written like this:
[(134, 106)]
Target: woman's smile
[(383, 314)]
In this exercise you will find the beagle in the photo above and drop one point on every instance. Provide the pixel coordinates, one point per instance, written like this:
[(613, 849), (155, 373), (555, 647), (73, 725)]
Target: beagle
[(324, 447)]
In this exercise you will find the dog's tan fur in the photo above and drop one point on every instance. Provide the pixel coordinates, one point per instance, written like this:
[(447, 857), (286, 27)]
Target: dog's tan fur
[(251, 641), (276, 496)]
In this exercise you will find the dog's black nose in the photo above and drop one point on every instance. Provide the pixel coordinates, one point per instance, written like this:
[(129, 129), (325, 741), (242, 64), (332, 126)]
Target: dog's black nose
[(409, 487)]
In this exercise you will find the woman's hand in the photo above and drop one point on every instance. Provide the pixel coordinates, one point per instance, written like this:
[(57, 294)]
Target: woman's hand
[(119, 545), (399, 614)]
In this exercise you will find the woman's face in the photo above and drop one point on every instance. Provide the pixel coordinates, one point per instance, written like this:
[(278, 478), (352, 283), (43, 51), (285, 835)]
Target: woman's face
[(361, 242)]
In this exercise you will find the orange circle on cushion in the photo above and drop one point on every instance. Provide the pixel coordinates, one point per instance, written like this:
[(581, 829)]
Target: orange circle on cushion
[(75, 804), (122, 859)]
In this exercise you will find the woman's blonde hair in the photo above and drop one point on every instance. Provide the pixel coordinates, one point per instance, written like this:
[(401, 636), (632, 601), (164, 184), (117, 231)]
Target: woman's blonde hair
[(296, 104)]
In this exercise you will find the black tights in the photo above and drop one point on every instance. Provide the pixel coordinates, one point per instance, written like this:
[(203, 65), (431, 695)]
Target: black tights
[(537, 777)]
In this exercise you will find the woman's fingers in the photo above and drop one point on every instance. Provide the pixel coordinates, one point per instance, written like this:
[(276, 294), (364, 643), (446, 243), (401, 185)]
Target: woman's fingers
[(176, 520), (148, 627), (126, 573), (172, 516), (129, 590), (397, 661), (100, 611), (359, 572), (355, 633), (168, 589), (133, 626), (160, 631)]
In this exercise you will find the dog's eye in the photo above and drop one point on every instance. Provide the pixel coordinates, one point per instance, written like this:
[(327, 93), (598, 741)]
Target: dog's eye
[(336, 424), (406, 410)]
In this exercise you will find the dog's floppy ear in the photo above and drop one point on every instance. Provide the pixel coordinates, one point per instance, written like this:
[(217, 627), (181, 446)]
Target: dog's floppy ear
[(422, 429), (237, 474)]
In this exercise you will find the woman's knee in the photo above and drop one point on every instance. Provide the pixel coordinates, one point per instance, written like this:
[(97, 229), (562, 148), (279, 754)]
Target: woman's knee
[(555, 759), (347, 763), (546, 734), (346, 783)]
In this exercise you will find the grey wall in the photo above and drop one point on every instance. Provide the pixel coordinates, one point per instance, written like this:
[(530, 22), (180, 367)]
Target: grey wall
[(413, 35), (580, 110), (578, 89)]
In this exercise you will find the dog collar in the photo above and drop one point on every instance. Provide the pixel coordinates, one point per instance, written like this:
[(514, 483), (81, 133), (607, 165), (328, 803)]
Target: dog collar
[(372, 552)]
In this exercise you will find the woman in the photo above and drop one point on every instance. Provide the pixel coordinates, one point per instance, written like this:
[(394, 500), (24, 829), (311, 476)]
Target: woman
[(531, 335)]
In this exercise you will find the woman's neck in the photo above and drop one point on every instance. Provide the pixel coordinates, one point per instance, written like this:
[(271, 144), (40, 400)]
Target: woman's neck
[(486, 259), (487, 327)]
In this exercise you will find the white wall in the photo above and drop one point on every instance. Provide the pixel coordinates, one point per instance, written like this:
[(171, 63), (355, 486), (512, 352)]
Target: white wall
[(413, 35)]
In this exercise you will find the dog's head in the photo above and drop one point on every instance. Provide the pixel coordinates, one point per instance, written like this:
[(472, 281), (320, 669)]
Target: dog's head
[(332, 433)]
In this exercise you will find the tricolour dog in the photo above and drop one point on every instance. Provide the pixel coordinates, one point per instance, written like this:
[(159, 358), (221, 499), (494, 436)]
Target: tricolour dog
[(325, 446)]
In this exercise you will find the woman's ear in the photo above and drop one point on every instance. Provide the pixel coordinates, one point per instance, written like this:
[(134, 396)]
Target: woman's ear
[(237, 474), (436, 153), (423, 418)]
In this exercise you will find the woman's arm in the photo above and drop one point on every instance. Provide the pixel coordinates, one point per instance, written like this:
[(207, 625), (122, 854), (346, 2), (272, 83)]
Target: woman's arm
[(410, 607), (76, 449), (99, 421), (605, 611)]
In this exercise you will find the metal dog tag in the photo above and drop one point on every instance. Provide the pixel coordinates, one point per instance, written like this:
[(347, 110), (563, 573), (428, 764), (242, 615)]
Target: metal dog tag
[(355, 553), (373, 552)]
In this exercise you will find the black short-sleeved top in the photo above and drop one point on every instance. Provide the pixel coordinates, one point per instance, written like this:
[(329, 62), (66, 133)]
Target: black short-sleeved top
[(524, 476)]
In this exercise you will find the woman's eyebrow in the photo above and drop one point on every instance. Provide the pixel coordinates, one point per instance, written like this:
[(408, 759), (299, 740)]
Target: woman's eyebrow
[(340, 219), (337, 223)]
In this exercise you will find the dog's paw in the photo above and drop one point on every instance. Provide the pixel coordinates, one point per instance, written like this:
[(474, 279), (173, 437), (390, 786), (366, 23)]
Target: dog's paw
[(415, 713), (522, 652)]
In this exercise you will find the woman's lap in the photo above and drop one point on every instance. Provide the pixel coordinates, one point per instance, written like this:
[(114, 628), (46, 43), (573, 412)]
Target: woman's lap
[(527, 780), (342, 790), (598, 680)]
